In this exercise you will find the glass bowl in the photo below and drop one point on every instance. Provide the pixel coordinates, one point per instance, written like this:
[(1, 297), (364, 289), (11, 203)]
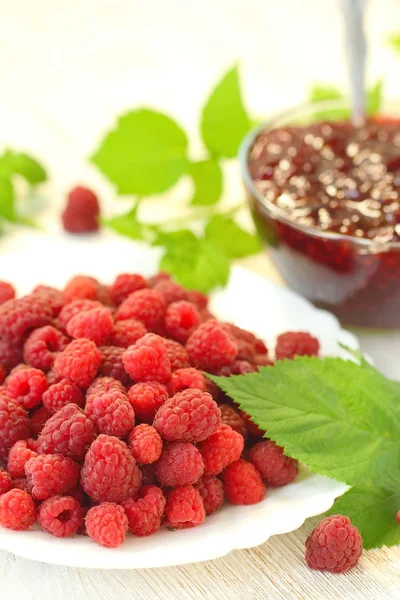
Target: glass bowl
[(357, 279)]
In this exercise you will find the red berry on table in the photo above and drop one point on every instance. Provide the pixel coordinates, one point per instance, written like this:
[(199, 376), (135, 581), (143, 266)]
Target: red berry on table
[(79, 362), (124, 285), (335, 545), (181, 319), (275, 468), (212, 491), (177, 355), (61, 516), (42, 347), (185, 507), (147, 359), (145, 443), (211, 346), (27, 386), (14, 424), (146, 398), (243, 483), (221, 449), (147, 306), (171, 291), (17, 317), (19, 454), (81, 287), (60, 394), (183, 379), (145, 513), (5, 481), (126, 333), (179, 464), (230, 416), (96, 324), (107, 524), (51, 474), (296, 343), (110, 412), (81, 214), (17, 510)]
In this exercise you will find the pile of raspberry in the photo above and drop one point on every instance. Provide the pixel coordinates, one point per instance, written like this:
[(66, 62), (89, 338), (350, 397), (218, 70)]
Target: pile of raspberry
[(108, 424)]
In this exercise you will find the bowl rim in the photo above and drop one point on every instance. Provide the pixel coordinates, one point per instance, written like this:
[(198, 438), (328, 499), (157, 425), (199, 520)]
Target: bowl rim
[(277, 213)]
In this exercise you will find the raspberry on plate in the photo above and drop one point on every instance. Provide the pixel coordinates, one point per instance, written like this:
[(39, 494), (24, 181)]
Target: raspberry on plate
[(275, 468), (335, 545), (124, 285), (19, 454), (19, 316), (127, 332), (79, 362), (7, 292), (243, 483), (147, 306), (212, 491), (81, 214), (146, 399), (107, 524), (177, 355), (180, 463), (51, 474), (14, 424), (171, 291), (185, 507), (230, 416), (42, 346), (145, 513), (147, 359), (112, 364), (27, 386), (51, 295), (10, 355), (155, 279), (238, 367), (181, 319), (103, 385), (110, 412), (5, 481), (198, 298), (60, 394), (17, 510), (95, 324), (211, 346), (221, 449), (76, 307), (81, 287), (61, 516), (110, 473), (145, 443), (189, 416), (183, 379), (296, 343)]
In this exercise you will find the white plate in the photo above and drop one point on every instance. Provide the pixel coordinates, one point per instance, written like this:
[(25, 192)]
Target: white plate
[(248, 300)]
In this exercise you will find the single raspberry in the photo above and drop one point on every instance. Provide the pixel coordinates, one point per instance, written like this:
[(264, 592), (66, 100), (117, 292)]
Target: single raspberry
[(252, 428), (112, 364), (246, 351), (52, 296), (75, 308), (179, 464), (17, 368), (81, 287), (5, 481), (10, 355), (18, 456), (42, 347), (79, 362), (144, 515), (82, 211), (335, 545), (243, 483), (110, 412), (145, 443), (212, 491), (7, 292), (147, 359), (96, 324), (198, 298), (189, 416), (14, 424), (275, 468), (296, 343), (211, 347), (126, 333), (221, 449), (181, 319), (110, 473), (238, 367), (38, 419), (148, 475), (69, 432), (60, 394), (103, 385), (27, 386), (230, 416), (107, 524), (171, 291), (124, 285), (51, 474), (177, 355), (3, 374), (22, 484), (183, 379), (60, 515), (17, 510), (146, 305), (146, 399), (238, 333), (155, 279), (185, 507), (17, 317)]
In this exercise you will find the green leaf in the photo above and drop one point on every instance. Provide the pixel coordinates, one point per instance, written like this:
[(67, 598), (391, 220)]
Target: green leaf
[(394, 42), (207, 179), (232, 240), (224, 120), (127, 225), (320, 93), (145, 154), (7, 208), (23, 164), (374, 98)]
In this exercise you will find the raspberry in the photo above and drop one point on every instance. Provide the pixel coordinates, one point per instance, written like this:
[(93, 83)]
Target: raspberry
[(60, 394), (96, 325), (52, 296), (82, 211), (124, 285), (7, 292), (2, 374), (103, 385), (110, 473), (79, 362), (185, 507), (126, 333), (179, 464), (14, 424), (81, 287), (252, 428), (110, 412), (146, 399), (5, 481), (38, 419), (60, 515), (231, 417), (177, 355), (275, 468), (107, 524), (198, 298), (181, 319), (19, 316), (52, 377), (69, 433), (144, 515), (335, 545), (51, 474), (42, 346), (238, 367), (75, 308), (262, 360), (147, 359), (206, 315), (146, 305), (17, 510), (171, 291), (19, 454), (221, 449), (189, 416), (246, 336), (22, 484), (183, 379), (246, 351), (211, 347), (112, 364), (145, 443), (296, 343), (10, 355), (243, 483), (155, 279), (148, 475), (212, 491), (27, 386)]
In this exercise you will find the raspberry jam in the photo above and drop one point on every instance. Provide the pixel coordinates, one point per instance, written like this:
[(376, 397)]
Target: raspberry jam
[(326, 199)]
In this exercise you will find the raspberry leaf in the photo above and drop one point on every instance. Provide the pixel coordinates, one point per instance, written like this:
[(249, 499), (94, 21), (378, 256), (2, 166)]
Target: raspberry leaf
[(207, 179), (230, 238), (7, 209), (394, 42), (320, 93)]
